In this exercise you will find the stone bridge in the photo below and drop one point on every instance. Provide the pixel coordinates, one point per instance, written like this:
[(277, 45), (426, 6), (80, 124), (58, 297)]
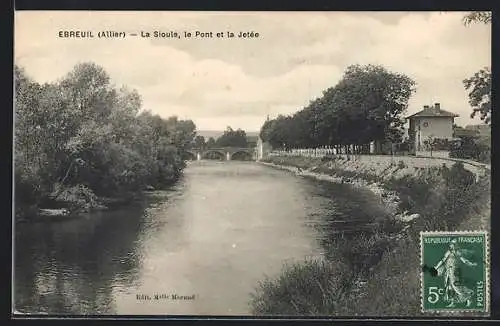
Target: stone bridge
[(225, 153)]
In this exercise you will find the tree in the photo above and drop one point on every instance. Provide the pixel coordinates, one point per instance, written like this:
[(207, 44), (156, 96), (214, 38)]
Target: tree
[(278, 134), (182, 132), (266, 129), (87, 88), (366, 105), (28, 153), (199, 142), (211, 143), (232, 138), (479, 85), (301, 128), (477, 17), (430, 143), (371, 100)]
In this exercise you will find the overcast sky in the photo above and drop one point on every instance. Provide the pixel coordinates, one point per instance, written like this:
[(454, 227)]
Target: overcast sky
[(237, 82)]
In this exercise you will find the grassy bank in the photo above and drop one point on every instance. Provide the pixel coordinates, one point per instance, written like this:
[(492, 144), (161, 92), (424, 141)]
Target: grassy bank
[(376, 273)]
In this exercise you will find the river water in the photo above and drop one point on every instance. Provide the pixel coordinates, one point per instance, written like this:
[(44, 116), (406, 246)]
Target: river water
[(209, 240)]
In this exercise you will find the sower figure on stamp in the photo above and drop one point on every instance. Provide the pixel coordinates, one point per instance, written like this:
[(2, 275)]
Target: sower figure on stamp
[(449, 267)]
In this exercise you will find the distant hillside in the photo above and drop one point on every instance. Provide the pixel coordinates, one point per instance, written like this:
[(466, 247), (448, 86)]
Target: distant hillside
[(216, 134)]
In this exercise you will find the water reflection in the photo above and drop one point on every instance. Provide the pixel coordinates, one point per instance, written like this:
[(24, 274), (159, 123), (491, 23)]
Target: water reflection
[(71, 267)]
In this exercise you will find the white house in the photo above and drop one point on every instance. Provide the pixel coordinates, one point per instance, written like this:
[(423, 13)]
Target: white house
[(431, 123)]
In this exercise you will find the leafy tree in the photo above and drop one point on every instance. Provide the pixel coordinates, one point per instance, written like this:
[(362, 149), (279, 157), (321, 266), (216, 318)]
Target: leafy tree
[(430, 143), (374, 98), (232, 138), (299, 130), (199, 142), (182, 132), (477, 17), (479, 85), (279, 134), (266, 129), (87, 89), (211, 143), (28, 155)]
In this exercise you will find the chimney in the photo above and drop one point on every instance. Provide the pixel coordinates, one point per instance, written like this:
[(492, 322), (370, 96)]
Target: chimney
[(437, 106), (426, 107)]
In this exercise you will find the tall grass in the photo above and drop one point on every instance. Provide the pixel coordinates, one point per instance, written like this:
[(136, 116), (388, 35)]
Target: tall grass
[(394, 287), (308, 288)]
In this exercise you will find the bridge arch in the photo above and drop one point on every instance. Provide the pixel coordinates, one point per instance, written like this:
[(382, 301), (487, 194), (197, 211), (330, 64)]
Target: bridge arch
[(221, 153), (242, 154), (212, 153)]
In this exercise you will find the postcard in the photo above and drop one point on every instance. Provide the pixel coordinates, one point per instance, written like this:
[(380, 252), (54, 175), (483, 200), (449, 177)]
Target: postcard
[(332, 164)]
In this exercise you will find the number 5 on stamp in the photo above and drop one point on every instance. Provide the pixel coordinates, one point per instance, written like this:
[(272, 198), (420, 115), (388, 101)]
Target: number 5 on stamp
[(455, 271)]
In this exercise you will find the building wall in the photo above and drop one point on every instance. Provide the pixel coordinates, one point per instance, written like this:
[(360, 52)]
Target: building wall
[(263, 149), (412, 136), (437, 127)]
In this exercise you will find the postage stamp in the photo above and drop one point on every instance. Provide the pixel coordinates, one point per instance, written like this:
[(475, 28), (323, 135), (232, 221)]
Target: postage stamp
[(455, 271)]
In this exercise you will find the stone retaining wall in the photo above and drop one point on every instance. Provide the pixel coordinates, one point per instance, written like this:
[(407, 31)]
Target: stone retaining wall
[(410, 162)]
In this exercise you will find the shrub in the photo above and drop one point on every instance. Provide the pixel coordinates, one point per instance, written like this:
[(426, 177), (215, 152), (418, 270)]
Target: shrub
[(77, 197), (313, 287), (458, 176), (413, 192), (398, 275), (472, 148)]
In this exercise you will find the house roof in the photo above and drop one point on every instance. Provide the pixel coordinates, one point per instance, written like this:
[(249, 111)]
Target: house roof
[(432, 112)]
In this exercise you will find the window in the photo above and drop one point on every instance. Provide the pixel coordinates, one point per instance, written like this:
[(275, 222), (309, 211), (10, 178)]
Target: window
[(426, 124)]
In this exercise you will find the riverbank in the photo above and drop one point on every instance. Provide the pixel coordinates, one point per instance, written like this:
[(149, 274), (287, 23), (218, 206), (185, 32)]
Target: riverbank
[(75, 202), (377, 273), (61, 211)]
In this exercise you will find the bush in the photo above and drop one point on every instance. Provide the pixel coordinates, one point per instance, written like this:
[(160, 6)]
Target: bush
[(77, 197), (441, 144), (472, 148), (413, 192), (458, 176), (313, 287), (398, 275), (27, 188), (359, 251)]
